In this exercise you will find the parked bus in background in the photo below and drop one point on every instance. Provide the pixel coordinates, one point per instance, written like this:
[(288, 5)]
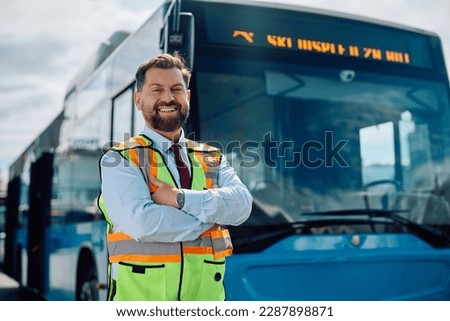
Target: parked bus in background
[(2, 229), (337, 124)]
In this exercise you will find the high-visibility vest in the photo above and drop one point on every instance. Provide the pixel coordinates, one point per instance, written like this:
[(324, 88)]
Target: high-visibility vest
[(190, 270)]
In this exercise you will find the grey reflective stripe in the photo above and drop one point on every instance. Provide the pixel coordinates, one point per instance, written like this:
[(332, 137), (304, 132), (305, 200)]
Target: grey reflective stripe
[(154, 248), (204, 241), (144, 248), (222, 243), (213, 175), (144, 158)]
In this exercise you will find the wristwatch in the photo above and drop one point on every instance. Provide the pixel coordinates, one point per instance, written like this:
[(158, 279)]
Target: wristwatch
[(180, 199)]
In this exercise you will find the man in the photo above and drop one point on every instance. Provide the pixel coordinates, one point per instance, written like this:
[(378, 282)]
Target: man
[(165, 198)]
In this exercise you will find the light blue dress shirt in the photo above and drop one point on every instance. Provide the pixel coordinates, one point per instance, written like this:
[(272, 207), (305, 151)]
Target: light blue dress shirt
[(132, 210)]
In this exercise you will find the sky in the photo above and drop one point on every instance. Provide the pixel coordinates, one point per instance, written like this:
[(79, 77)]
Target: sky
[(44, 43)]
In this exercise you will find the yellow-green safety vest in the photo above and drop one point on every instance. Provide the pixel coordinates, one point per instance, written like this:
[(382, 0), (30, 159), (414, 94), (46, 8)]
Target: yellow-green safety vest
[(162, 271)]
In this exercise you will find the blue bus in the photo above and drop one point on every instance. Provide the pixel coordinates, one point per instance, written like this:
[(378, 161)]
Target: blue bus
[(338, 125)]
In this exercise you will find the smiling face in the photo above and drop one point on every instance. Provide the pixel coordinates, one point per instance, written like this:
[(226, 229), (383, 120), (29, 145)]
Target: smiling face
[(164, 101)]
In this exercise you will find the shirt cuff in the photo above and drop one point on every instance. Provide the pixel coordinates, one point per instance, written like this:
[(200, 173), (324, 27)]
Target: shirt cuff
[(193, 201)]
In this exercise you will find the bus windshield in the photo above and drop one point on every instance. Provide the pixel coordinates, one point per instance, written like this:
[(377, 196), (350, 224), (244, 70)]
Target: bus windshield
[(308, 139)]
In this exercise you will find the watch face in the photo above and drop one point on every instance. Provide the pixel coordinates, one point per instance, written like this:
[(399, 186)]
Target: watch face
[(180, 199)]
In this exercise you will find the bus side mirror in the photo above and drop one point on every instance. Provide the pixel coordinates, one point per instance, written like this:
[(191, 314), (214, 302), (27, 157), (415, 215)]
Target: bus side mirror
[(183, 41)]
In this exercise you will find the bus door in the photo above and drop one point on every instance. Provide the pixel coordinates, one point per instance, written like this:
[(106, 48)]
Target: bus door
[(38, 220), (12, 250)]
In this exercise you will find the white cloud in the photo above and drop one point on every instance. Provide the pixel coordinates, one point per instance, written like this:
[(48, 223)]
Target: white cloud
[(50, 35), (43, 44)]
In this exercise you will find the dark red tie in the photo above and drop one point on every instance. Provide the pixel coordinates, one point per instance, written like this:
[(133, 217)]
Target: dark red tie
[(185, 178)]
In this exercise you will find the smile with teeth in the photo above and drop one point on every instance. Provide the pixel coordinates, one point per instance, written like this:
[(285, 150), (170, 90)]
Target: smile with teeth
[(167, 109)]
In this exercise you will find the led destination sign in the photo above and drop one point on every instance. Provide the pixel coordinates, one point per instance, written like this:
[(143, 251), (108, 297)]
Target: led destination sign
[(318, 34), (326, 47)]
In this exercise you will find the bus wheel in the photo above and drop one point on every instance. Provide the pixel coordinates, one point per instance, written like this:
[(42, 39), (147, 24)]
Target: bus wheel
[(87, 286)]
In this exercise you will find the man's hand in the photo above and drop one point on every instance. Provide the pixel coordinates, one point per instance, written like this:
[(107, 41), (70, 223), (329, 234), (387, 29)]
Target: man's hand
[(164, 194)]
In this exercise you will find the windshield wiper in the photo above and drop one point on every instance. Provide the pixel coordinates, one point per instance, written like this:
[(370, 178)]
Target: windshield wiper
[(254, 238), (259, 237), (356, 212), (430, 235)]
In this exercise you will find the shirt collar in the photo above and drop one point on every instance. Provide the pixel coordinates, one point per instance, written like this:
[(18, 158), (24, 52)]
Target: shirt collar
[(160, 142)]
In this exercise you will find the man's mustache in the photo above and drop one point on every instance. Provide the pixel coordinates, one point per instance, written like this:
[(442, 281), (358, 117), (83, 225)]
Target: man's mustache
[(168, 104)]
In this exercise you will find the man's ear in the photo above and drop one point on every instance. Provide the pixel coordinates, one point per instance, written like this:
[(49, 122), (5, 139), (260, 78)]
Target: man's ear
[(137, 100), (188, 94)]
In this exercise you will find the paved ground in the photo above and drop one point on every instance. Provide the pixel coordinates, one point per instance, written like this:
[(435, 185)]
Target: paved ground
[(11, 291)]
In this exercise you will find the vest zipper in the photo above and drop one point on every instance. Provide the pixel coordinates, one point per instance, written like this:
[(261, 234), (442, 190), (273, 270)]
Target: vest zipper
[(181, 271)]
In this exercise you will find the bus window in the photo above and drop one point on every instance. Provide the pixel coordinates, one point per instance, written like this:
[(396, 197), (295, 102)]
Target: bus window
[(377, 152), (122, 110)]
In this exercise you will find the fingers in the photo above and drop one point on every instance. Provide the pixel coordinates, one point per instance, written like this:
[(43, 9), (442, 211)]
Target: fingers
[(154, 184), (155, 181)]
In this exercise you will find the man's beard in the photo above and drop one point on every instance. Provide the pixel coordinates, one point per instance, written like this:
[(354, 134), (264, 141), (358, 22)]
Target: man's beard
[(167, 123)]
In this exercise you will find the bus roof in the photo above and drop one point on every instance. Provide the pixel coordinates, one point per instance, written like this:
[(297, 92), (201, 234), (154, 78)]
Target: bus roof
[(331, 13), (91, 65)]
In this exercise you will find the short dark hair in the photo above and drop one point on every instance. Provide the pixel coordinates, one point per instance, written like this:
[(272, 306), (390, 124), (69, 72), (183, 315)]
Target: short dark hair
[(162, 61)]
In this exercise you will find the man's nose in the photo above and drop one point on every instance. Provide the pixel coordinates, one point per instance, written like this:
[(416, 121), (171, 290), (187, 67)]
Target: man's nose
[(168, 96)]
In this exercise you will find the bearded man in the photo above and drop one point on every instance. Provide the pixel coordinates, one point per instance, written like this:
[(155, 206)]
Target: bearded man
[(165, 198)]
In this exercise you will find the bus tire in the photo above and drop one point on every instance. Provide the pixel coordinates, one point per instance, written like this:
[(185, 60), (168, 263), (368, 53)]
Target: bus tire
[(87, 285)]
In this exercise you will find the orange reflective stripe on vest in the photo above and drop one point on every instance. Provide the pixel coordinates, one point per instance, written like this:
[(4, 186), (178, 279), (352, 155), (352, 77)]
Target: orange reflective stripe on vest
[(153, 170), (122, 247)]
